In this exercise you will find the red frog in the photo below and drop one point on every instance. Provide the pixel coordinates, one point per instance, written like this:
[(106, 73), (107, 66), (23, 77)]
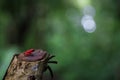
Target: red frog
[(32, 55)]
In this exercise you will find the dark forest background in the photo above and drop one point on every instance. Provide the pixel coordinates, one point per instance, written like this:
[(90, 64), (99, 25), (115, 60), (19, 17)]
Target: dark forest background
[(83, 34)]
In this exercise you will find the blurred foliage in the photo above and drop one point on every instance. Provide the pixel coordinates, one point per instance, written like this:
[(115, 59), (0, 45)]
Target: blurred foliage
[(55, 26)]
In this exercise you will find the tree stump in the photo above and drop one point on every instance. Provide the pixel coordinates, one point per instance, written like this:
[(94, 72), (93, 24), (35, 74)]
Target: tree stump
[(29, 65)]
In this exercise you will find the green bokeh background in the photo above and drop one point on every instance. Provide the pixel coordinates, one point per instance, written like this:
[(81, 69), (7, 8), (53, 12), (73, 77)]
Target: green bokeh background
[(55, 26)]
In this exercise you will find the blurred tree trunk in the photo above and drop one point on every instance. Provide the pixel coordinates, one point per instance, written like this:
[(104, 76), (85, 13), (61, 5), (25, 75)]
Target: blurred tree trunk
[(19, 25), (115, 38), (24, 14)]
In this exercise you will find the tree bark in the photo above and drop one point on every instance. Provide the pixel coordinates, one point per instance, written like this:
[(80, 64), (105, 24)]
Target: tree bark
[(24, 70), (29, 65)]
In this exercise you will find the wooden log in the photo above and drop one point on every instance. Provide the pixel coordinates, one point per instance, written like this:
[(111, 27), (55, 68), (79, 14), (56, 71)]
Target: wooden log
[(29, 67)]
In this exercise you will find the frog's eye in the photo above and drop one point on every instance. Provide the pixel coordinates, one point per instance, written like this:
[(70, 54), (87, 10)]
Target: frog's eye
[(28, 52)]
